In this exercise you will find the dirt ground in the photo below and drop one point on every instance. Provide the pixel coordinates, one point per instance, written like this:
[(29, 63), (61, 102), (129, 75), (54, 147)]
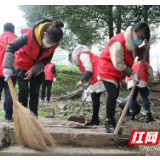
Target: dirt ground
[(72, 106)]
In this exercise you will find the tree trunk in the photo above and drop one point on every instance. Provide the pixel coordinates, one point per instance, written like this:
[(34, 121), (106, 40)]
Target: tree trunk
[(69, 95), (110, 20), (146, 20), (119, 20)]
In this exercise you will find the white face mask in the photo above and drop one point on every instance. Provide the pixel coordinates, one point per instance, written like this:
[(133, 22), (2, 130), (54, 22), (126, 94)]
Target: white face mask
[(45, 43)]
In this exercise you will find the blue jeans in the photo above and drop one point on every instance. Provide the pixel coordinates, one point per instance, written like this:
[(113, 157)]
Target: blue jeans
[(144, 94), (8, 104)]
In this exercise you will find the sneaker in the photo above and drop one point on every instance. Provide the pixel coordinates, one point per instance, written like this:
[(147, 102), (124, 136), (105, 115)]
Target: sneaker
[(47, 101), (42, 101), (111, 125), (9, 120)]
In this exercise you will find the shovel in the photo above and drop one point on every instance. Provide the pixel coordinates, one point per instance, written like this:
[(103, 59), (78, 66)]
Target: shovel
[(114, 135), (77, 118)]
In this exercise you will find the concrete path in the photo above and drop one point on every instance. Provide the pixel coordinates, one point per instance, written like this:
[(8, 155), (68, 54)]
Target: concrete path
[(95, 136), (74, 140), (67, 151)]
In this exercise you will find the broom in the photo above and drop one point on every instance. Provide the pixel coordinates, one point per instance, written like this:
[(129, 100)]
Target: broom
[(77, 118), (28, 130)]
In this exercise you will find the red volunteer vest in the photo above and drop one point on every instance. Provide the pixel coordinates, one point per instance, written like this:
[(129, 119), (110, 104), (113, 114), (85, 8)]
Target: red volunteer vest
[(48, 71), (5, 39), (94, 61), (27, 55), (106, 70), (143, 75)]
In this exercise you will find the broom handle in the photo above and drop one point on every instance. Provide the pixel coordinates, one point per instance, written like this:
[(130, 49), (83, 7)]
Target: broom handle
[(82, 104), (12, 90), (129, 99)]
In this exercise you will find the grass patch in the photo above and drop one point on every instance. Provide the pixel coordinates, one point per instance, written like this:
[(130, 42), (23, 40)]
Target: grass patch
[(41, 113), (67, 68), (67, 79)]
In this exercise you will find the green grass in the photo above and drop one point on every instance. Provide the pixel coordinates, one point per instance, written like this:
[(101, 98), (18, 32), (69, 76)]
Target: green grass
[(67, 79), (41, 113), (2, 112), (67, 68)]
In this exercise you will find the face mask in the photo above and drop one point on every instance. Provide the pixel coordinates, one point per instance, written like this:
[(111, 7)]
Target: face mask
[(137, 41), (45, 43)]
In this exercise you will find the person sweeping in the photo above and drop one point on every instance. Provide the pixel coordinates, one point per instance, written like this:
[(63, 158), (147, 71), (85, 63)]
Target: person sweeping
[(115, 63), (86, 62), (32, 52)]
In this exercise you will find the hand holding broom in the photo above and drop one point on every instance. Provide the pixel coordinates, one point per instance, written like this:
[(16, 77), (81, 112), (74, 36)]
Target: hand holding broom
[(28, 130)]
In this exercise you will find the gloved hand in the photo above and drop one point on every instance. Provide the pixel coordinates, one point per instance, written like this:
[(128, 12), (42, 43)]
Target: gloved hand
[(135, 76), (7, 72), (55, 79)]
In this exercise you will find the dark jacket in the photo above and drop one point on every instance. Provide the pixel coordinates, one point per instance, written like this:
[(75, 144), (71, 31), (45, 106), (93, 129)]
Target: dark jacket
[(20, 46)]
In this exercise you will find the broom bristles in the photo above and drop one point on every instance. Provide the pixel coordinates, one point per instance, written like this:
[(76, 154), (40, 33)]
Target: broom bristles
[(29, 132)]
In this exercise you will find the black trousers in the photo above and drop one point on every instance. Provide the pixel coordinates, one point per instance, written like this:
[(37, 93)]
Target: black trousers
[(8, 104), (96, 104), (33, 88), (47, 84), (113, 94)]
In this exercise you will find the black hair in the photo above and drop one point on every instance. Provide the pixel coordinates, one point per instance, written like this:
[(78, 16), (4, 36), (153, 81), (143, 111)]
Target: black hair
[(144, 27), (54, 32), (9, 27)]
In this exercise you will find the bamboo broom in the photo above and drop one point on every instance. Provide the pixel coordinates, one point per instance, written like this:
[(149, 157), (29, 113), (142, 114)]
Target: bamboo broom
[(28, 130)]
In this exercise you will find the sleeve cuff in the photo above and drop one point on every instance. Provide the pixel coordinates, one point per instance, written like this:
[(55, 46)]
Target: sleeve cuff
[(8, 60), (86, 76), (37, 68), (127, 71)]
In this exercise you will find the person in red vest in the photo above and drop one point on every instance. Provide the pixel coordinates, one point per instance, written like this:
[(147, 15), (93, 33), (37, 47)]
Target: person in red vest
[(115, 62), (146, 77), (50, 76), (32, 52), (7, 37), (86, 62)]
